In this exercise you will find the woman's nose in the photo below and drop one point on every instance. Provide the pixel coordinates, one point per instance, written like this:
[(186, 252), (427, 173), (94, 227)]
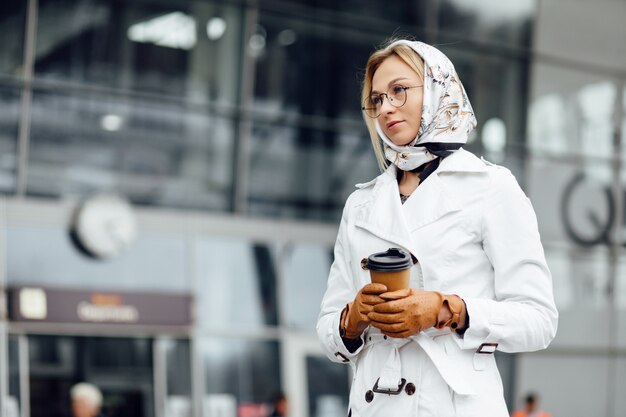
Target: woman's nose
[(385, 106)]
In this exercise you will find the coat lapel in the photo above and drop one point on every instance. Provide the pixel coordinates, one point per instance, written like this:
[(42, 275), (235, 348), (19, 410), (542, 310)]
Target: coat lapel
[(386, 217), (382, 213), (428, 203), (433, 199)]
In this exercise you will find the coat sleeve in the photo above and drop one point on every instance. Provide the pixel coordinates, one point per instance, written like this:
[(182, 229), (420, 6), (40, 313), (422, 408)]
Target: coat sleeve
[(522, 316), (339, 291)]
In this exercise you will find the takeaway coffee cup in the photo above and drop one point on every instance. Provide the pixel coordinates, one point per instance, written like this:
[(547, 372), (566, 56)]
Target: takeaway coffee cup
[(391, 268)]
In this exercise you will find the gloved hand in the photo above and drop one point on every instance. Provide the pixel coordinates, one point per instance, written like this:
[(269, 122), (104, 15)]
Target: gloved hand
[(409, 311), (354, 321)]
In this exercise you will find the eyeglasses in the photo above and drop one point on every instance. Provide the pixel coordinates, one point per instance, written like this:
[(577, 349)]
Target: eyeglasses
[(396, 96)]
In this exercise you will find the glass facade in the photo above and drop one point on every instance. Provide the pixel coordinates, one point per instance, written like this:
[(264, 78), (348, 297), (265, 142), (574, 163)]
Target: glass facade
[(13, 14), (166, 155), (9, 122), (121, 368), (130, 98), (234, 127), (302, 265), (575, 178), (328, 387), (246, 371), (12, 20), (12, 404), (158, 47), (236, 284), (214, 105)]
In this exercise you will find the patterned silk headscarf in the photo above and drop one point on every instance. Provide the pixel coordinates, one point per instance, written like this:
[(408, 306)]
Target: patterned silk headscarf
[(447, 115)]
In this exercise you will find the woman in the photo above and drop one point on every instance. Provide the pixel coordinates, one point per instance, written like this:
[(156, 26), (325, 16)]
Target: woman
[(481, 281)]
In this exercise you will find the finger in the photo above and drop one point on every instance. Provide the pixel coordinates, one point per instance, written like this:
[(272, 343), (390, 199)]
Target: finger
[(386, 318), (365, 309), (397, 306), (390, 327), (396, 295), (371, 299), (374, 288), (364, 319)]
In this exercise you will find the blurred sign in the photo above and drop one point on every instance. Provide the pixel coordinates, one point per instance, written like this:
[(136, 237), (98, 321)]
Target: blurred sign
[(575, 204), (36, 304), (588, 210)]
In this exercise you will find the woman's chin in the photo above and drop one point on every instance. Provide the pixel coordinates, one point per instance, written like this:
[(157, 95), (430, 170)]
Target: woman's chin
[(400, 141)]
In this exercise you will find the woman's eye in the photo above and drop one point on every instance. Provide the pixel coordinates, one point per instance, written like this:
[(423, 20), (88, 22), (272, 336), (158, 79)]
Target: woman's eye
[(375, 101), (397, 89)]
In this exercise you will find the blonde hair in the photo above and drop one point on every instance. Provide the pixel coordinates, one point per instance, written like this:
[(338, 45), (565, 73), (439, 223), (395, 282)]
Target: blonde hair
[(412, 59)]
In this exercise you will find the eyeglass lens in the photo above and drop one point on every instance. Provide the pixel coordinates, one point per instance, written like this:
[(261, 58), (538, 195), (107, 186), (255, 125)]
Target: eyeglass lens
[(396, 95)]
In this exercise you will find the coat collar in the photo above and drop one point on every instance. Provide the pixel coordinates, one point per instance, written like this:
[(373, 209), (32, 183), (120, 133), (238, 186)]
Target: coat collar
[(385, 216), (461, 161)]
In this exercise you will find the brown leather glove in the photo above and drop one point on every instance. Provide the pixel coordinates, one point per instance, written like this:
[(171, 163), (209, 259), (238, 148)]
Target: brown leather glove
[(354, 318), (409, 311)]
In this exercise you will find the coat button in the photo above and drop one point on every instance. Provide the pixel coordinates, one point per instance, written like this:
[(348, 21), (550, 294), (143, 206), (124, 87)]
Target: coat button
[(410, 388), (369, 396)]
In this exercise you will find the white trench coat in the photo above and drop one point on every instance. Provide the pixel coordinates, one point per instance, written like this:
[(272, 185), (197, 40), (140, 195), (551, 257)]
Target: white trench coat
[(474, 233)]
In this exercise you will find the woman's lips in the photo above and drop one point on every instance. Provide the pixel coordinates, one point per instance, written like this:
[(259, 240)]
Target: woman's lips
[(391, 125)]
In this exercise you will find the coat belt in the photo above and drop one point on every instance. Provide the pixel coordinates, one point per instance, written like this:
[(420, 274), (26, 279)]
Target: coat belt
[(449, 370)]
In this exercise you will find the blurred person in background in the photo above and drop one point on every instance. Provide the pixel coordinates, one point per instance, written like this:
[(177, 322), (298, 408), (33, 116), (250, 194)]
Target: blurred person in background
[(531, 408), (481, 280), (280, 406), (86, 400)]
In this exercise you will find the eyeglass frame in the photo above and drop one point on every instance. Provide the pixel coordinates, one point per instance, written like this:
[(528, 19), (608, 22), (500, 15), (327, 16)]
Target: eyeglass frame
[(363, 108)]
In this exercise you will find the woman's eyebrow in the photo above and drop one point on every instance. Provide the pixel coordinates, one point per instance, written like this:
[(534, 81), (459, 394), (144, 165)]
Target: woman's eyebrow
[(395, 80)]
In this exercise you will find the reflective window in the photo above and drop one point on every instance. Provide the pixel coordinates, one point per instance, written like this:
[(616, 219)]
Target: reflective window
[(236, 283), (242, 376), (619, 316), (121, 368), (620, 381), (9, 120), (159, 47), (307, 173), (580, 278), (12, 403), (178, 368), (305, 271), (573, 200), (12, 22), (494, 135), (154, 152), (320, 161), (571, 182), (506, 363), (488, 21), (557, 377), (308, 69), (571, 112), (153, 263), (328, 387), (497, 87), (620, 281), (378, 13)]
